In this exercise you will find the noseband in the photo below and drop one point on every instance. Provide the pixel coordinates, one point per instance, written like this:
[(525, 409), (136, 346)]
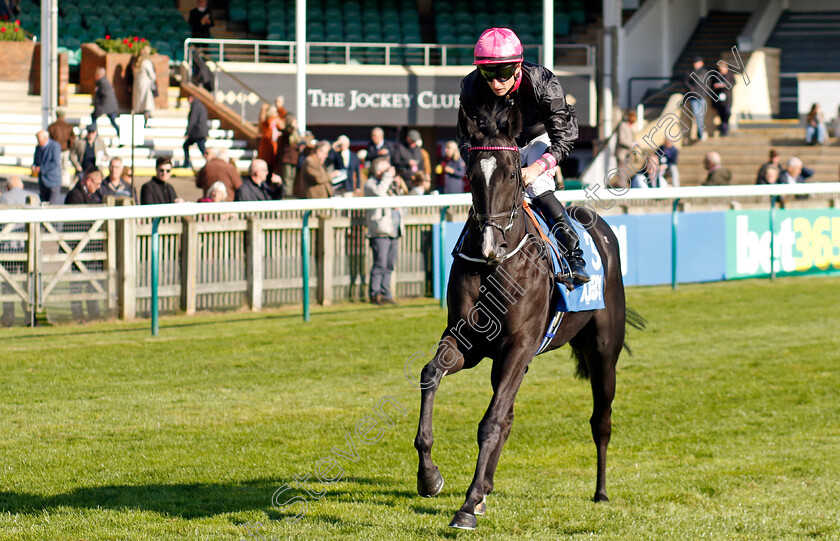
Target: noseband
[(484, 220)]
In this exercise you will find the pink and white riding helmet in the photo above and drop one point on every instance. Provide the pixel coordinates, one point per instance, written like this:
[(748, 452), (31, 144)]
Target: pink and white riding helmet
[(498, 46)]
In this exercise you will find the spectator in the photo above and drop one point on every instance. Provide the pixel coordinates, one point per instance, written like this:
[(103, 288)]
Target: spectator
[(383, 226), (280, 104), (128, 177), (671, 155), (105, 100), (215, 193), (724, 92), (86, 191), (201, 19), (347, 167), (420, 183), (201, 74), (427, 159), (196, 128), (837, 124), (795, 172), (772, 176), (46, 164), (114, 183), (287, 151), (718, 175), (63, 133), (773, 164), (408, 158), (316, 180), (624, 142), (218, 169), (144, 88), (815, 130), (15, 194), (256, 187), (693, 84), (378, 147), (652, 176), (158, 191), (88, 152), (270, 126), (452, 169)]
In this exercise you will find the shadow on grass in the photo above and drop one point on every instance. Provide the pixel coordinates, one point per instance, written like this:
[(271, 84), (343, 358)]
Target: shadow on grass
[(85, 330), (190, 501)]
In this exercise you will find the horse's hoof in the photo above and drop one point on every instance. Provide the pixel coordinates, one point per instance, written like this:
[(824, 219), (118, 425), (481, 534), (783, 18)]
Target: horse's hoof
[(463, 521), (600, 497), (481, 508), (430, 486)]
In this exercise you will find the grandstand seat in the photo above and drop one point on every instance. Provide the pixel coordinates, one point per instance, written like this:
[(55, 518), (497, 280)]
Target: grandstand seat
[(562, 24)]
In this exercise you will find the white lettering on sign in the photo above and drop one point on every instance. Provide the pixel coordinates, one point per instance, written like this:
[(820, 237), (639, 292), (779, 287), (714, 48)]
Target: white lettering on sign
[(753, 251), (319, 98), (364, 100), (429, 100), (592, 290)]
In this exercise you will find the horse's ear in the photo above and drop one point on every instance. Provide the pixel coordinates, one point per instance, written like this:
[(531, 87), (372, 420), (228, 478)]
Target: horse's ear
[(466, 125), (514, 123)]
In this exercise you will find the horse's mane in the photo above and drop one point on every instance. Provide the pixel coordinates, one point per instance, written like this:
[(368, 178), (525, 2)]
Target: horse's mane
[(493, 120)]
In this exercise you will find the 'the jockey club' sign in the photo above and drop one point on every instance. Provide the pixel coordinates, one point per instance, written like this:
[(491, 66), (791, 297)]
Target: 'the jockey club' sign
[(367, 100)]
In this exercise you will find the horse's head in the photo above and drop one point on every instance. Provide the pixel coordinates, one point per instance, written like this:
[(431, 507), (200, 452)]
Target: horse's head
[(494, 173)]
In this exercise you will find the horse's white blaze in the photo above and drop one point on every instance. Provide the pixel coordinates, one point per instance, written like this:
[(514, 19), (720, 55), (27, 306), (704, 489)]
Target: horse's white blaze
[(488, 165)]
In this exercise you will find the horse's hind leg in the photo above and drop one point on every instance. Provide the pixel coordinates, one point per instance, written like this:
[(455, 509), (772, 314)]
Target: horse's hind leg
[(600, 356), (448, 360)]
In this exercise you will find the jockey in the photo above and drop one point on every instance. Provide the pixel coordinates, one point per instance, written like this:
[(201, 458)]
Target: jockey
[(549, 126)]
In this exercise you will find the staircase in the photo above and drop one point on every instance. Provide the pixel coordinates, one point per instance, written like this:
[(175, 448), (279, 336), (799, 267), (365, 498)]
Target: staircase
[(743, 152), (716, 34), (164, 136), (808, 41)]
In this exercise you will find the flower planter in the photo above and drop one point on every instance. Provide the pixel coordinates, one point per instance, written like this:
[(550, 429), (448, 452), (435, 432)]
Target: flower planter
[(22, 63), (117, 66)]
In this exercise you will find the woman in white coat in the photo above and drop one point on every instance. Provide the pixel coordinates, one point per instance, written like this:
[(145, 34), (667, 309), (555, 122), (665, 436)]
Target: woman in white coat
[(144, 79)]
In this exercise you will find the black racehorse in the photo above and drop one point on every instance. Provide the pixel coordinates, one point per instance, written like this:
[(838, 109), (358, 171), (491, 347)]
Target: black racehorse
[(500, 297)]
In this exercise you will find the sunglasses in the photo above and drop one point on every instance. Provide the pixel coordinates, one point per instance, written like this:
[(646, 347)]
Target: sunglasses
[(499, 72), (164, 170)]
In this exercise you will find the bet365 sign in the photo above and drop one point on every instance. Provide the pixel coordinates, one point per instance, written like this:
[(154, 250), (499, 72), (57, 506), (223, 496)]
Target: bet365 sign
[(805, 241)]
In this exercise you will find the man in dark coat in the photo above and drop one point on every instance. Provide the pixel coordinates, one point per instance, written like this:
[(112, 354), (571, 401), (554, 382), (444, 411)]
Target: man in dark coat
[(718, 174), (378, 147), (408, 158), (196, 129), (158, 191), (86, 191), (256, 187), (105, 100), (46, 164), (347, 164), (724, 93), (201, 19), (218, 169)]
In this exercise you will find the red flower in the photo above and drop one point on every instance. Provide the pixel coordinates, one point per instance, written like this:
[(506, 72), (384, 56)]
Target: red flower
[(107, 36), (17, 22), (129, 45), (3, 29), (142, 40), (136, 38), (17, 29), (125, 40)]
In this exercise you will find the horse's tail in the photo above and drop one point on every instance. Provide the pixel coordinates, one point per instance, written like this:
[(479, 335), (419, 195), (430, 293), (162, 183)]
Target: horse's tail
[(632, 318), (635, 320)]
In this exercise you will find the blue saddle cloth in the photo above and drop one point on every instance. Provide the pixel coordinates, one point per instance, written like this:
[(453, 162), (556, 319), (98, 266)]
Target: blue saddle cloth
[(589, 296)]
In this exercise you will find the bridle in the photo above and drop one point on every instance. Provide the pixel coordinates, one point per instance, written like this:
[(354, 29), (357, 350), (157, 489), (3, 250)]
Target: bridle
[(483, 220)]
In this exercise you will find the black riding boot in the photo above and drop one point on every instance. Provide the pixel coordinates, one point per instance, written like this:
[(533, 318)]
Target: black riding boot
[(553, 211)]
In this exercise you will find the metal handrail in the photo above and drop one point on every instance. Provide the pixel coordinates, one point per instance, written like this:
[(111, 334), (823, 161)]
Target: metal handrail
[(426, 48), (239, 81)]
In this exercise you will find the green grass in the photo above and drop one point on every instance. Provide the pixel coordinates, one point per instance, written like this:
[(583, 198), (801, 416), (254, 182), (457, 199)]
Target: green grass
[(725, 426)]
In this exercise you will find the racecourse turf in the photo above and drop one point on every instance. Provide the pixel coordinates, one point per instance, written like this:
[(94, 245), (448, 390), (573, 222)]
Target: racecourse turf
[(725, 426)]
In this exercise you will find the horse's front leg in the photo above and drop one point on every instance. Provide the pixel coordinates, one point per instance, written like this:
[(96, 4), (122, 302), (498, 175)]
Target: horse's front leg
[(491, 432), (448, 360)]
